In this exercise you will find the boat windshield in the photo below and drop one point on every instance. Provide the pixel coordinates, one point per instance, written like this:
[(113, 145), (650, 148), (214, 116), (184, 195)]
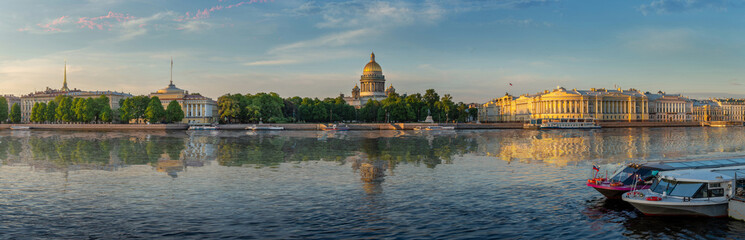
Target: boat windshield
[(681, 189), (626, 176)]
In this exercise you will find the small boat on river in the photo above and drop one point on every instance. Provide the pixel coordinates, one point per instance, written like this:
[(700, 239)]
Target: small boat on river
[(20, 128), (264, 128), (639, 176), (691, 192), (433, 128), (334, 127), (202, 128), (569, 123)]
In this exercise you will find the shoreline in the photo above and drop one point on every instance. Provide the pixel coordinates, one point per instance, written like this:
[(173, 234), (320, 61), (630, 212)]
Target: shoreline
[(317, 126)]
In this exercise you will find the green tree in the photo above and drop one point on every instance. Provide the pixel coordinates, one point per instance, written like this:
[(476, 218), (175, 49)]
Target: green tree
[(154, 113), (103, 109), (174, 113), (34, 113), (3, 109), (84, 109), (15, 113), (50, 114), (64, 110)]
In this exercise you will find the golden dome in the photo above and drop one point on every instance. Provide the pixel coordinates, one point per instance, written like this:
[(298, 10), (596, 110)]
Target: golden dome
[(372, 66)]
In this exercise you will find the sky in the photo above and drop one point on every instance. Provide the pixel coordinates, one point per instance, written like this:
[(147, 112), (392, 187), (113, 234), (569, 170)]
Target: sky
[(471, 49)]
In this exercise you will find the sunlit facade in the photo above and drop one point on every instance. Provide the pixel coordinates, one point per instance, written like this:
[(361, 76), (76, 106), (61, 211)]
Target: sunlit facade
[(601, 104), (27, 101), (669, 107), (372, 85), (197, 109)]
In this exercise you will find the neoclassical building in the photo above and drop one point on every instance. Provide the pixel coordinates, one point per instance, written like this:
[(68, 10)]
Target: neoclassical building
[(669, 107), (600, 104), (197, 109), (371, 87), (27, 101)]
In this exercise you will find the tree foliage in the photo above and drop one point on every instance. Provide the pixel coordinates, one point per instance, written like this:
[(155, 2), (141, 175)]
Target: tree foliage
[(15, 113), (3, 109), (174, 113), (154, 113)]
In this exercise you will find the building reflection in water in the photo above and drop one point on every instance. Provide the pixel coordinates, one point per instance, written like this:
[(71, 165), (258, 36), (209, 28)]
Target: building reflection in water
[(563, 148)]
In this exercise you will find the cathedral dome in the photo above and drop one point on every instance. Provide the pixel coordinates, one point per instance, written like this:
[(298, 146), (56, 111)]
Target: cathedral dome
[(372, 67)]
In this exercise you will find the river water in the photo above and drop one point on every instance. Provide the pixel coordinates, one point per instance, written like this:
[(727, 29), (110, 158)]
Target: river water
[(507, 184)]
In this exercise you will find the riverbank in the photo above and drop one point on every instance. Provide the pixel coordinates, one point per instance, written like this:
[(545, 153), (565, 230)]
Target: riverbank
[(315, 127), (101, 127)]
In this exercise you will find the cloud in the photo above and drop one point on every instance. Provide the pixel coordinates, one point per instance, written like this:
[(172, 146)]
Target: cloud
[(673, 6), (271, 62), (665, 41), (524, 22), (206, 12), (331, 40), (103, 21), (52, 25), (355, 14)]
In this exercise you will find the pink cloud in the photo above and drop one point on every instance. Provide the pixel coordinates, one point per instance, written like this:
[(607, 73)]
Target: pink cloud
[(51, 26), (103, 21), (205, 13)]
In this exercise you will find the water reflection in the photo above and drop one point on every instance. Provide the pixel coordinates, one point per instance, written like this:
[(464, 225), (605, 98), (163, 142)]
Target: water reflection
[(369, 184)]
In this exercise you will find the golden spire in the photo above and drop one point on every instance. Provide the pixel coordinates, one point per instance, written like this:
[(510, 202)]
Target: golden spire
[(372, 57), (64, 81)]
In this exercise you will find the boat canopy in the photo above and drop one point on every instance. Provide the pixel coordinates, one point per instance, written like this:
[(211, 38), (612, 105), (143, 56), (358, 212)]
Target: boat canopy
[(696, 175), (716, 163)]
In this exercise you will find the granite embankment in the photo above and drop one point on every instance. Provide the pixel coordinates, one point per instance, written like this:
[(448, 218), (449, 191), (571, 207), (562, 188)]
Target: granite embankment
[(101, 127), (313, 126)]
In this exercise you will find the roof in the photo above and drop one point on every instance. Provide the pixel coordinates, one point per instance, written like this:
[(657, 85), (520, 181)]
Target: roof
[(695, 175), (711, 163)]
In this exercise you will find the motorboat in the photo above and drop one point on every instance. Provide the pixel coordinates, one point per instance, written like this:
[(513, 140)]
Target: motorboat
[(569, 123), (265, 128), (199, 128), (433, 128), (20, 128), (639, 176), (334, 127), (692, 192)]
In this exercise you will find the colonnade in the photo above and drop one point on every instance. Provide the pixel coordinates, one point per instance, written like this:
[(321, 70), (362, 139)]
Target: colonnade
[(373, 87), (583, 106), (195, 110)]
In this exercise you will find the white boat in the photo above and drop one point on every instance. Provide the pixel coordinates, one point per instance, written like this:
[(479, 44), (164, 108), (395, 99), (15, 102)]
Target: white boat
[(267, 128), (20, 128), (433, 128), (691, 192), (202, 128), (569, 123), (334, 127)]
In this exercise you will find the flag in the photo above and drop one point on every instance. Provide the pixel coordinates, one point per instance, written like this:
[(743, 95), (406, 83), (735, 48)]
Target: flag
[(510, 84), (595, 168)]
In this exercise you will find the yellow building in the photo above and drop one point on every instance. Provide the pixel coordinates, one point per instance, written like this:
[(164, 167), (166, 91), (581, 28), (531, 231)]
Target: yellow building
[(372, 85), (27, 101), (197, 109), (600, 104)]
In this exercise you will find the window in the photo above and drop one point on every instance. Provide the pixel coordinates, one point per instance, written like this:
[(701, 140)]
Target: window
[(686, 189)]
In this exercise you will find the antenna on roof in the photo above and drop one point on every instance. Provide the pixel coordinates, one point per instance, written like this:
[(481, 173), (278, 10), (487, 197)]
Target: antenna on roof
[(171, 71)]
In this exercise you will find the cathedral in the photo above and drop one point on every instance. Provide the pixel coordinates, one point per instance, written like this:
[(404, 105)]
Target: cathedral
[(371, 87)]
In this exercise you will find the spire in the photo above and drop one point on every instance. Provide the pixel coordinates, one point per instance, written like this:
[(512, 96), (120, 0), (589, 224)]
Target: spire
[(372, 57), (64, 81), (171, 72)]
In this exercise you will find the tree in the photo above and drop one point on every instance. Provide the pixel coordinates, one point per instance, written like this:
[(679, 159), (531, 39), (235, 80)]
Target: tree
[(84, 109), (38, 112), (34, 113), (154, 113), (64, 110), (174, 113), (15, 113), (3, 109), (51, 110)]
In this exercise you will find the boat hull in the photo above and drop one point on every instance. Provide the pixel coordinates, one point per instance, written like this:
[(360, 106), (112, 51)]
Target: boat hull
[(736, 208), (614, 192), (657, 208)]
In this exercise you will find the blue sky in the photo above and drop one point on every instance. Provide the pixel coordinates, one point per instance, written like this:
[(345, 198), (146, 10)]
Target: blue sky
[(472, 49)]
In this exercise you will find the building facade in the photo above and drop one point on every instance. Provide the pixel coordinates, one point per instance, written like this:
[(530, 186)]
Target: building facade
[(197, 109), (12, 99), (669, 107), (27, 101), (371, 87), (600, 104), (732, 110)]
